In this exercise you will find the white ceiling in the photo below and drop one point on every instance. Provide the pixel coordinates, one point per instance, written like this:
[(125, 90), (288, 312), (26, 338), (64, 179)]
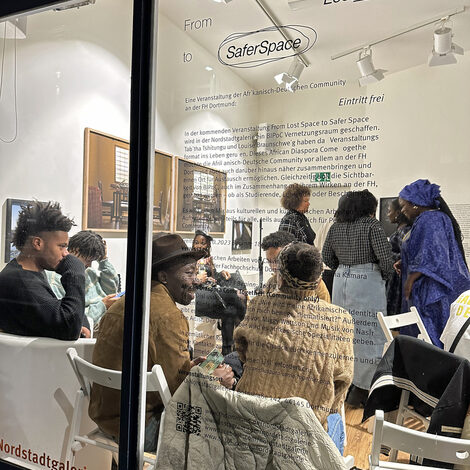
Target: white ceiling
[(340, 27)]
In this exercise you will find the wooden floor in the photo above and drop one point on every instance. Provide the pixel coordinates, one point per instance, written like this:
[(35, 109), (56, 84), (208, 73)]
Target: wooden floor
[(360, 440)]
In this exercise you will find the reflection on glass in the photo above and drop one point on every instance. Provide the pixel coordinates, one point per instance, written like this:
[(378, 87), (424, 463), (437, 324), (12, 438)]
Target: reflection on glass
[(229, 140), (60, 275), (330, 134)]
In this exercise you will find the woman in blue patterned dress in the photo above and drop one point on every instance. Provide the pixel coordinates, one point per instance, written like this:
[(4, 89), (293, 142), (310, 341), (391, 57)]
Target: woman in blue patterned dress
[(433, 266)]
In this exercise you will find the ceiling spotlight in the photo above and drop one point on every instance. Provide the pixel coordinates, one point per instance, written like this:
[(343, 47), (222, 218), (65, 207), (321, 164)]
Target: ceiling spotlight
[(369, 74), (222, 1), (444, 49), (290, 80)]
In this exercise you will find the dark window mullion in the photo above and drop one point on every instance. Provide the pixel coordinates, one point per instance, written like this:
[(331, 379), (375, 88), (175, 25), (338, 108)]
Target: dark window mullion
[(141, 152), (141, 142)]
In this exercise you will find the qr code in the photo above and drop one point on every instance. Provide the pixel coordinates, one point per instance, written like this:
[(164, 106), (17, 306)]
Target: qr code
[(188, 418)]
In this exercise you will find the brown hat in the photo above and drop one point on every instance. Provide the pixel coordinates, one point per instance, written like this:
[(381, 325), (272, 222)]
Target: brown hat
[(170, 246)]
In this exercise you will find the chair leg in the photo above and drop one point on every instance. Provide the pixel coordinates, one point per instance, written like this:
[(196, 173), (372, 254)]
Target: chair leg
[(74, 426), (343, 418), (404, 398), (160, 433)]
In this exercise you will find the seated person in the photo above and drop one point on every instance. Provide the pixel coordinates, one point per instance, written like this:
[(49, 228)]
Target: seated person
[(173, 281), (292, 343), (206, 268), (100, 284), (228, 304), (28, 305), (272, 244), (457, 328)]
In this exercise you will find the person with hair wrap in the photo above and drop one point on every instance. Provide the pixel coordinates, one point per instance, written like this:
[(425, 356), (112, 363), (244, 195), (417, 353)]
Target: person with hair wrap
[(433, 266), (272, 244), (100, 284), (295, 345)]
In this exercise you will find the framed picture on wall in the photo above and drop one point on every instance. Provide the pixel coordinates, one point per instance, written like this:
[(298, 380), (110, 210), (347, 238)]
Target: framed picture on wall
[(201, 198), (389, 228), (242, 235), (12, 209), (106, 184)]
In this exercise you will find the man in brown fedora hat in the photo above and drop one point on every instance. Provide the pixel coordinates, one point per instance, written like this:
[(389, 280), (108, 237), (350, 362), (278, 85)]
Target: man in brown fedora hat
[(173, 281)]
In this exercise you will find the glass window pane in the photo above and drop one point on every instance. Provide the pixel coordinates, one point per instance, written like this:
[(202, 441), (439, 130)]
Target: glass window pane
[(335, 96), (64, 129)]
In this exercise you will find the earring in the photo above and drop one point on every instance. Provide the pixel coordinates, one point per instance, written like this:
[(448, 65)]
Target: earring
[(415, 207)]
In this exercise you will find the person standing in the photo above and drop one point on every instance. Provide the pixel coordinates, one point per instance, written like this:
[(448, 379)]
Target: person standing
[(395, 216), (433, 266), (296, 199), (356, 246)]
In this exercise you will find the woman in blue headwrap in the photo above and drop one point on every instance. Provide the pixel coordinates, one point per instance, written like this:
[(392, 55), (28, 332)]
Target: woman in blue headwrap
[(433, 266)]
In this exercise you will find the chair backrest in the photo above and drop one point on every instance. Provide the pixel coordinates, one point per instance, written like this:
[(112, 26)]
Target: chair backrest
[(37, 387), (420, 444), (88, 373), (403, 319)]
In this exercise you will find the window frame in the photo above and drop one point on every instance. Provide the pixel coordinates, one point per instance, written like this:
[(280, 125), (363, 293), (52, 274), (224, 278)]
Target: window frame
[(141, 156)]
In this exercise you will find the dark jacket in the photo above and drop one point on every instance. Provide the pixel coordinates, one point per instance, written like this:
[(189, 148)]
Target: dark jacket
[(438, 380), (28, 306), (296, 223), (168, 346)]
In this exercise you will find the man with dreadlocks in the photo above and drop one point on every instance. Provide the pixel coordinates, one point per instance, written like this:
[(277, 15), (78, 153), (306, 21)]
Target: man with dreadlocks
[(101, 284), (28, 305)]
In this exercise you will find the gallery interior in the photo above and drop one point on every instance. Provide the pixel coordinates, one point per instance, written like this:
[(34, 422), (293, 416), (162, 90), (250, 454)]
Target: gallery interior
[(247, 98)]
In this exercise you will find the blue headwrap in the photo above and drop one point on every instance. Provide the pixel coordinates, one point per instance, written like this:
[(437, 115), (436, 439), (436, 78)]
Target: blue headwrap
[(421, 193)]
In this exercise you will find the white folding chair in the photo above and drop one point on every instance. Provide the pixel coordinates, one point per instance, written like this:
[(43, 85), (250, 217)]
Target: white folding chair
[(87, 374), (388, 323), (440, 448), (412, 317)]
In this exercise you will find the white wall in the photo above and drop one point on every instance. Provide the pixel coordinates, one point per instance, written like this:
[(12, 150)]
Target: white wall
[(73, 72)]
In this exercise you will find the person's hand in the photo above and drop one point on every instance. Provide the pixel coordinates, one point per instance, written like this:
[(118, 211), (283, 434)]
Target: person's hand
[(198, 360), (85, 332), (70, 263), (225, 374), (211, 280), (226, 275), (202, 277), (109, 300), (397, 267)]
